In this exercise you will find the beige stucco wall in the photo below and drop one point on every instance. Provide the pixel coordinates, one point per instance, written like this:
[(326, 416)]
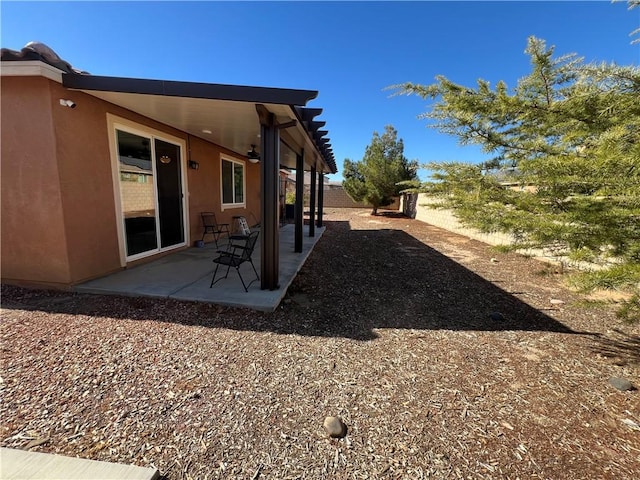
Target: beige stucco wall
[(33, 235), (205, 187), (424, 208), (86, 186), (59, 221)]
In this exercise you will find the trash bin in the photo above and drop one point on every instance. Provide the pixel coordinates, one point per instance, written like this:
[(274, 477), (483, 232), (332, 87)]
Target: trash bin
[(289, 210)]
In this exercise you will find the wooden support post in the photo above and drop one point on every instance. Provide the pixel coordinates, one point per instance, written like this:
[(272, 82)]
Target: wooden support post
[(312, 203), (320, 198), (269, 182), (299, 208)]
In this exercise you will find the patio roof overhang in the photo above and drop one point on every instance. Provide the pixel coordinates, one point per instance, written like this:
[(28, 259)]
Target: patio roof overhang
[(234, 117), (228, 112)]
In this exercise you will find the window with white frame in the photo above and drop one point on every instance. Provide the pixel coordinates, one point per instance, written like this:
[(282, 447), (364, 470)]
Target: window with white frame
[(232, 183)]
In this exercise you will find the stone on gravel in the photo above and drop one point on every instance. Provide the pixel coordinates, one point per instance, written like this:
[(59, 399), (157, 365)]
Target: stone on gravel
[(335, 427), (555, 301), (621, 384), (37, 442)]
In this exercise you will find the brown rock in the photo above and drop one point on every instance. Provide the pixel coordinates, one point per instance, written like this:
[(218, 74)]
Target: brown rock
[(335, 427)]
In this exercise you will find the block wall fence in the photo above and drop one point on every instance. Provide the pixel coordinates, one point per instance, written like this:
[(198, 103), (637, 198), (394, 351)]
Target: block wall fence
[(334, 196), (423, 207)]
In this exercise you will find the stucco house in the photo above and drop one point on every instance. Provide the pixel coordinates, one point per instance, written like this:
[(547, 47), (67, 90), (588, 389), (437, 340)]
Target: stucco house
[(101, 173)]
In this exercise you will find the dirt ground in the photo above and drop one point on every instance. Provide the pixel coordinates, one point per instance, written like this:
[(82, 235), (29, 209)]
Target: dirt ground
[(444, 358)]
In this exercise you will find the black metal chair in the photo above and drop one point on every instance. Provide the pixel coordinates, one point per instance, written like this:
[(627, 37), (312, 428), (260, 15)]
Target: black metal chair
[(212, 226), (235, 256)]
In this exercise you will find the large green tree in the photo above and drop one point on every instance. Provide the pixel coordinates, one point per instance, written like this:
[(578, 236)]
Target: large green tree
[(570, 132), (375, 178)]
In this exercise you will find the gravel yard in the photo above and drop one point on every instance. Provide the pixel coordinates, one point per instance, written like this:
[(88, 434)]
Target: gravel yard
[(444, 358)]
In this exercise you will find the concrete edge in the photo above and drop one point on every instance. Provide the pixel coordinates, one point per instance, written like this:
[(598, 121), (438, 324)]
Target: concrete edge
[(18, 464)]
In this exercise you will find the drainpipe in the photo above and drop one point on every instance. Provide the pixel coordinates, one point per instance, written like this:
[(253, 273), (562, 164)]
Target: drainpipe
[(299, 208), (312, 203)]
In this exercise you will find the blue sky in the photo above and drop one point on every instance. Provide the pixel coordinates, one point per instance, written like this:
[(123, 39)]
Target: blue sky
[(348, 51)]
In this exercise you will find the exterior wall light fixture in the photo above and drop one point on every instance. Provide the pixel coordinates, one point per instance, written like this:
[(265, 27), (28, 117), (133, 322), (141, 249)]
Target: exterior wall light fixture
[(252, 155), (67, 103)]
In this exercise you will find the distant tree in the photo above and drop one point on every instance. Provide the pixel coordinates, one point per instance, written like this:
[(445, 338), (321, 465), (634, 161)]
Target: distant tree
[(571, 130), (375, 178)]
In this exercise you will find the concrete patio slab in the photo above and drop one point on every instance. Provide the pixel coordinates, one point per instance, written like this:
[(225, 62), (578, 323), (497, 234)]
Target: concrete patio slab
[(24, 465), (186, 275)]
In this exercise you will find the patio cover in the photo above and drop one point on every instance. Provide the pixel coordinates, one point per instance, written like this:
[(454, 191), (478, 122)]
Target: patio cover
[(228, 112), (232, 116)]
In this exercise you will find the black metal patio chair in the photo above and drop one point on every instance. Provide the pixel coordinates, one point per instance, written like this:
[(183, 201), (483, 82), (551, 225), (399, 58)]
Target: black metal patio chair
[(237, 254), (212, 226)]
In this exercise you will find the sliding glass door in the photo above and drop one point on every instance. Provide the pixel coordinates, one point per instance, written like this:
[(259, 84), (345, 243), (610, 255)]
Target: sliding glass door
[(151, 196), (169, 190)]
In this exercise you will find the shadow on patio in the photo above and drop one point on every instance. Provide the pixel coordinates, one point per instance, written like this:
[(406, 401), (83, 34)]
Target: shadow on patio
[(186, 275), (353, 283)]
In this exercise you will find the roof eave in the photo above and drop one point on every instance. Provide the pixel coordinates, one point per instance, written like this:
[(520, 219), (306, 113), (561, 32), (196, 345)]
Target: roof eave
[(210, 91)]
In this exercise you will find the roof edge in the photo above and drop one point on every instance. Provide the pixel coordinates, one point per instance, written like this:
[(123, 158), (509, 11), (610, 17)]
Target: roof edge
[(212, 91), (30, 68)]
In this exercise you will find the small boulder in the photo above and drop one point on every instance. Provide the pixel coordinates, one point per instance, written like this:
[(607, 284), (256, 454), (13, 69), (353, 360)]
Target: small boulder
[(497, 316), (335, 427), (621, 384)]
